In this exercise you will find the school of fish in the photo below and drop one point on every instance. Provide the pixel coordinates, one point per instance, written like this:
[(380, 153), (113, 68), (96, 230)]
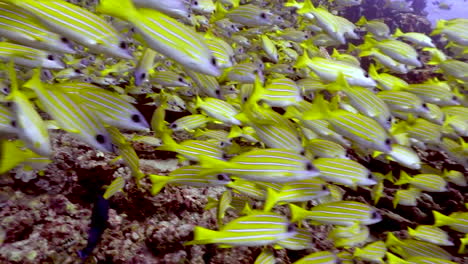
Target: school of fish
[(275, 96)]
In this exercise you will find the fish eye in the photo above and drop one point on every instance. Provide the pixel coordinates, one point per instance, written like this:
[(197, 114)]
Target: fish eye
[(302, 152), (136, 118), (454, 98), (143, 75), (388, 141), (324, 188), (100, 139), (366, 74), (123, 45), (173, 125), (370, 176), (310, 167), (389, 120), (222, 177), (50, 57), (213, 61), (263, 15), (375, 215), (13, 123), (217, 92), (244, 99), (78, 71), (424, 105), (291, 227), (64, 40), (195, 3), (180, 79)]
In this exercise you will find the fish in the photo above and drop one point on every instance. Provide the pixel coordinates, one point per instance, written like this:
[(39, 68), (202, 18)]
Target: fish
[(272, 165), (70, 115), (77, 24), (297, 191), (8, 123), (169, 79), (416, 38), (165, 35), (109, 106), (144, 66), (397, 50), (406, 197), (425, 182), (19, 155), (329, 70), (344, 213), (126, 151), (377, 28), (22, 28), (255, 229), (188, 175), (190, 122), (248, 15), (205, 7), (431, 234), (193, 149), (374, 251), (456, 221), (359, 128), (99, 217), (218, 109), (322, 148), (344, 171), (414, 248), (114, 187), (29, 57), (365, 101), (300, 241), (31, 127)]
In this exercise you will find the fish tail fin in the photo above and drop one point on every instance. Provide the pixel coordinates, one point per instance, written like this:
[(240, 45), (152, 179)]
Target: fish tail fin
[(123, 9), (361, 21), (35, 82), (271, 200), (440, 25), (411, 231), (441, 219), (292, 3), (14, 157), (303, 60), (297, 213), (398, 33), (373, 72), (404, 178), (306, 8), (320, 109), (236, 131), (220, 12), (203, 235), (339, 85), (158, 181), (257, 91), (169, 144), (391, 240)]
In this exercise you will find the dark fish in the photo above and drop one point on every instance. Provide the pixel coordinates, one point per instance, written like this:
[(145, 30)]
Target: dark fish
[(98, 225)]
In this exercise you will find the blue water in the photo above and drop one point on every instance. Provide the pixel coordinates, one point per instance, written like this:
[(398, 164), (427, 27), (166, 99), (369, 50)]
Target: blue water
[(459, 9)]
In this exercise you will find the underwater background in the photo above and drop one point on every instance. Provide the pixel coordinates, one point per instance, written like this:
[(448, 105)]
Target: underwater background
[(227, 131)]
